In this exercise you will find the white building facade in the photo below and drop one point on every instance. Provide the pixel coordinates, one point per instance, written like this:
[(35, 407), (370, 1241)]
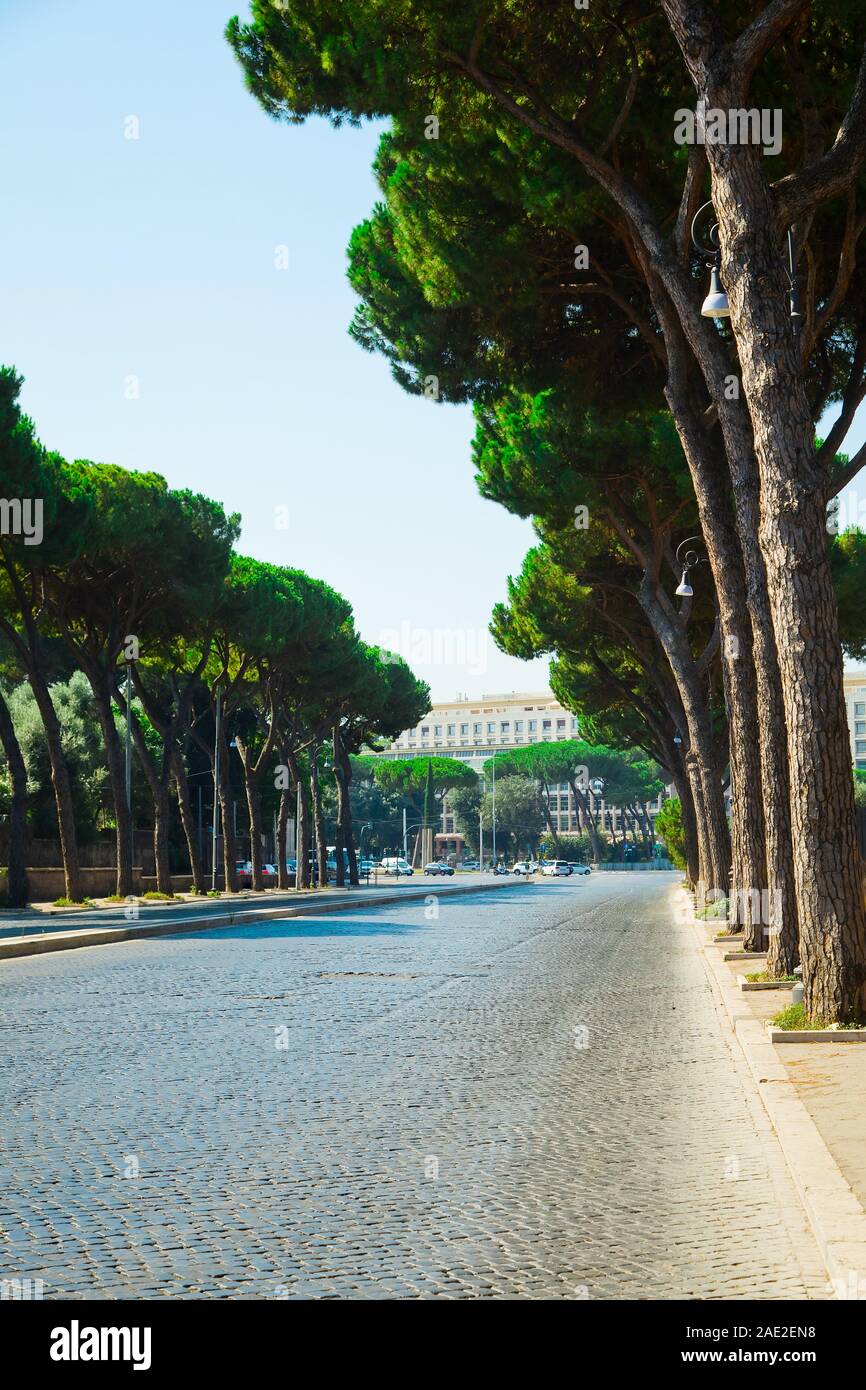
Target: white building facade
[(475, 730)]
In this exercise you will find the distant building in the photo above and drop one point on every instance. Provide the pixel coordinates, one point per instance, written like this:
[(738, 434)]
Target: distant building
[(855, 704), (473, 730)]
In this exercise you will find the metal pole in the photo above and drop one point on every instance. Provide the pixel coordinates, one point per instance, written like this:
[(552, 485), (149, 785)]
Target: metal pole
[(129, 765), (481, 830), (405, 846), (298, 836), (216, 800), (200, 825), (494, 809)]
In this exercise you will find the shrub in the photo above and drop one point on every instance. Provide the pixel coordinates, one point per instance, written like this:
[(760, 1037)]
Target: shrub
[(669, 828)]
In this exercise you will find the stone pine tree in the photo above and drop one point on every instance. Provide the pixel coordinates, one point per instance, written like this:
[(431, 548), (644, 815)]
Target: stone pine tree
[(574, 105)]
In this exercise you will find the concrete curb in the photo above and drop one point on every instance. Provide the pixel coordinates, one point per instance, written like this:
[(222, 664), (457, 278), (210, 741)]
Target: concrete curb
[(835, 1215), (16, 947), (747, 986), (744, 955), (816, 1035)]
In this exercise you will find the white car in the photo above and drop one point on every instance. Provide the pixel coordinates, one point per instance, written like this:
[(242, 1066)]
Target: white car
[(556, 868), (581, 869), (397, 866), (524, 866)]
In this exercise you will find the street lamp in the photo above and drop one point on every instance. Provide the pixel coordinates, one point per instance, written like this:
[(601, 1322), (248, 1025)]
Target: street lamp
[(716, 305), (688, 562), (128, 767)]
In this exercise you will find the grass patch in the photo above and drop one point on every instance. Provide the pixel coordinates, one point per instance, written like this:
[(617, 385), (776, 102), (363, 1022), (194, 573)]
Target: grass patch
[(795, 1017), (115, 898), (214, 893), (713, 911), (70, 902), (154, 897), (763, 976)]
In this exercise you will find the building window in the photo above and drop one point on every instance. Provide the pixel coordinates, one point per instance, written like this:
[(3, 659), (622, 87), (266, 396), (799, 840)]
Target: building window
[(859, 708), (860, 726), (545, 723), (574, 721), (560, 723), (450, 730), (491, 728), (533, 725), (437, 730), (518, 726), (505, 724), (425, 731), (464, 729), (476, 728), (860, 748)]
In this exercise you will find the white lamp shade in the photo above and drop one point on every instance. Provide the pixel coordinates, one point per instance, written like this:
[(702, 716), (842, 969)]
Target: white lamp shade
[(716, 305), (684, 588)]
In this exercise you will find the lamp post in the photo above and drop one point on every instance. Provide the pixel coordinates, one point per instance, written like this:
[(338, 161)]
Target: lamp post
[(688, 562), (128, 767), (216, 784), (716, 305), (493, 807)]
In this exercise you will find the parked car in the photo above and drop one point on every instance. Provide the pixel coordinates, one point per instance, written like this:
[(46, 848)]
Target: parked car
[(523, 866), (580, 869), (557, 868), (244, 870), (470, 864), (439, 868), (366, 866), (396, 866)]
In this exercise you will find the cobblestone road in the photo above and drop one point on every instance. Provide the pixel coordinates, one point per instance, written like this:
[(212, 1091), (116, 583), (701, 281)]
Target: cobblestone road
[(530, 1096)]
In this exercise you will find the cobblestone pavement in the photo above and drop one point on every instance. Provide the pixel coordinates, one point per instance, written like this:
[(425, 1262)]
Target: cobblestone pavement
[(531, 1095)]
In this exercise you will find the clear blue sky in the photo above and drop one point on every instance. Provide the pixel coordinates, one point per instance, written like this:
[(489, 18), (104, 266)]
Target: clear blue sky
[(154, 258)]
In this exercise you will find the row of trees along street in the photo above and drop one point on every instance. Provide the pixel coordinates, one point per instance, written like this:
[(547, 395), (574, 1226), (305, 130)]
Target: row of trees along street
[(527, 782), (531, 253), (133, 575)]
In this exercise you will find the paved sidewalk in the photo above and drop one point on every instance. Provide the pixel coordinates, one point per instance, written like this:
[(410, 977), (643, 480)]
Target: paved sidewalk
[(813, 1094)]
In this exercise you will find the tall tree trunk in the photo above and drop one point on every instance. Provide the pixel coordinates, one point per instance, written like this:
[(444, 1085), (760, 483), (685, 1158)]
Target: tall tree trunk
[(187, 820), (318, 817), (16, 866), (793, 540), (703, 754), (61, 785), (304, 874), (101, 684), (581, 801), (282, 850), (343, 773), (254, 810), (227, 815), (158, 782)]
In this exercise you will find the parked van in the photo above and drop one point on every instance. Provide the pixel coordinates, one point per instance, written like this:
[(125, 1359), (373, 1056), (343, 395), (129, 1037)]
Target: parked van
[(395, 866)]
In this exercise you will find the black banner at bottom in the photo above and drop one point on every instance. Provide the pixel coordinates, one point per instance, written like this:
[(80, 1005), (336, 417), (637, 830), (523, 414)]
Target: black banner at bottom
[(159, 1338)]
